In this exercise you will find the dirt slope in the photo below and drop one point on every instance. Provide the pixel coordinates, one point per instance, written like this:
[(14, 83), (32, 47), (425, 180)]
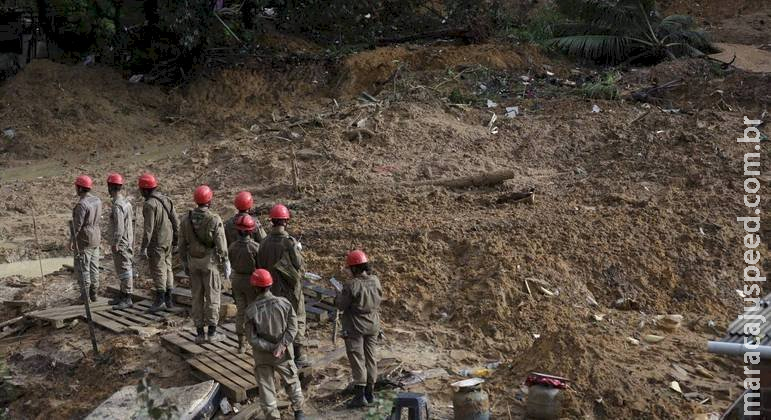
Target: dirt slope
[(633, 213)]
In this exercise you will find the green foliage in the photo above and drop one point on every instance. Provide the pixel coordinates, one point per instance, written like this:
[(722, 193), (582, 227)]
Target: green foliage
[(456, 97), (605, 88), (153, 405), (540, 27), (383, 406), (614, 31)]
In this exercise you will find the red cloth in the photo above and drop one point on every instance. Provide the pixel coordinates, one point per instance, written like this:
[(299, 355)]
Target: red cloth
[(550, 382)]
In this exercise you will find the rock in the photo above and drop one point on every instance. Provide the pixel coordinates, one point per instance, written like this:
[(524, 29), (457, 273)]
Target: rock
[(187, 402), (228, 310)]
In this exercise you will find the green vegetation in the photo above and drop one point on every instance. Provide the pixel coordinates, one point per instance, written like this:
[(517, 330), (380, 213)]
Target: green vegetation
[(605, 88), (383, 406), (615, 31)]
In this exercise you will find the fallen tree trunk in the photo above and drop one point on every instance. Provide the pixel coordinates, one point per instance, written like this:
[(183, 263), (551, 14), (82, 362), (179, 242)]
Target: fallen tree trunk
[(462, 33), (479, 180)]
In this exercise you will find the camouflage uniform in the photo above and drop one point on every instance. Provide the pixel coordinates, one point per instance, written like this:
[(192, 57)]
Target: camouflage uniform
[(86, 236), (160, 227), (202, 249), (271, 320), (122, 242), (360, 303), (243, 257), (231, 233), (277, 245)]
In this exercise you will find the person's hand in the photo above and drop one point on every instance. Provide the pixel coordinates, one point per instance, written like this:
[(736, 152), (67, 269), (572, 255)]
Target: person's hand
[(227, 270), (114, 248), (279, 351)]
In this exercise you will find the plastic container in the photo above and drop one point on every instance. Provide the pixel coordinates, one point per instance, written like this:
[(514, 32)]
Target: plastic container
[(470, 402), (543, 402)]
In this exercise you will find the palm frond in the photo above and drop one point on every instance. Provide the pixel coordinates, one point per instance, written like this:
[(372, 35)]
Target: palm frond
[(594, 47), (608, 13)]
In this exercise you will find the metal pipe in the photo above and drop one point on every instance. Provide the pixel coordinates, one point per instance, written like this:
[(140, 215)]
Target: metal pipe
[(737, 349)]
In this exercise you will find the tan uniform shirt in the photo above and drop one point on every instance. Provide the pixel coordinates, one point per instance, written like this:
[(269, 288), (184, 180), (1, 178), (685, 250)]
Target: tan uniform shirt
[(231, 233), (360, 303), (159, 225), (85, 222), (122, 224), (243, 256), (272, 248), (270, 320), (202, 237)]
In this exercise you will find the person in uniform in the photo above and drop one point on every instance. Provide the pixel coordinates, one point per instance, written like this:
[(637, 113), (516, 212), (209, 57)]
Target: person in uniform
[(121, 240), (161, 227), (203, 250), (281, 255), (360, 303), (244, 203), (243, 257), (271, 325), (86, 236)]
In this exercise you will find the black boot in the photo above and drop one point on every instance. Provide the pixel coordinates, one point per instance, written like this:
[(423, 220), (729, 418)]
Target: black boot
[(169, 299), (213, 335), (124, 303), (241, 344), (300, 358), (118, 299), (200, 336), (299, 415), (158, 303), (369, 393), (92, 294), (358, 399)]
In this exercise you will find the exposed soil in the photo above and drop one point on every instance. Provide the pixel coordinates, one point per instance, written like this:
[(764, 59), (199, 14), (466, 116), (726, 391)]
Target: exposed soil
[(634, 213)]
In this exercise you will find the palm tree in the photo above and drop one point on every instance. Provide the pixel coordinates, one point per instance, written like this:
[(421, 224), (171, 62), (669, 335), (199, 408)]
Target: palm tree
[(615, 31)]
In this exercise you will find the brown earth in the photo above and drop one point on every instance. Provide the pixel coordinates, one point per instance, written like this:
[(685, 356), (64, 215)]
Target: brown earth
[(634, 213)]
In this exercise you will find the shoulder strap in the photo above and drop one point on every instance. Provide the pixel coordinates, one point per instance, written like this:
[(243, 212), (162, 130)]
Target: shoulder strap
[(168, 212)]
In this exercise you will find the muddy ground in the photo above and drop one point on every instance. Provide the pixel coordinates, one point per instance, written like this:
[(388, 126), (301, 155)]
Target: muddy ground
[(633, 214)]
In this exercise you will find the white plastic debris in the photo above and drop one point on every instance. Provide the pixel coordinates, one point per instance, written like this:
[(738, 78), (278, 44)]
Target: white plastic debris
[(89, 60), (548, 73), (676, 387), (9, 132), (596, 109), (512, 111), (524, 78), (490, 126), (482, 87), (361, 123), (312, 276), (367, 16), (491, 104), (136, 78), (225, 406)]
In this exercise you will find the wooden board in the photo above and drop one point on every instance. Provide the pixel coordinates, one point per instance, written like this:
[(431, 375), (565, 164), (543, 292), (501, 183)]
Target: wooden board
[(183, 342), (182, 295), (123, 320), (59, 315), (319, 293)]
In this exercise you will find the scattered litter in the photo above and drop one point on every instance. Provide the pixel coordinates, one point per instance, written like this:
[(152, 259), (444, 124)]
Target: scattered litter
[(671, 111), (89, 60), (676, 387), (136, 78), (634, 341), (9, 132), (491, 104), (312, 276), (467, 383), (548, 73), (701, 230), (482, 87), (740, 293), (225, 406), (536, 336), (512, 111), (598, 317), (652, 339), (367, 16), (596, 109), (669, 322), (525, 78), (590, 300), (418, 376), (548, 292), (361, 123), (711, 324), (659, 131), (490, 126), (701, 370)]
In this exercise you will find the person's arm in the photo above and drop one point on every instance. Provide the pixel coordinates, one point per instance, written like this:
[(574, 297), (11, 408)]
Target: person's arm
[(174, 220), (79, 215), (148, 214), (220, 244), (343, 299), (182, 248), (291, 329), (296, 257), (118, 225), (259, 232)]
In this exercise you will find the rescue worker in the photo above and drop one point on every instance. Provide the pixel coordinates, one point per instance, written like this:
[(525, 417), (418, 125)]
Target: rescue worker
[(161, 227), (202, 249), (244, 203), (86, 237), (280, 255), (271, 325), (243, 257), (121, 240), (360, 303)]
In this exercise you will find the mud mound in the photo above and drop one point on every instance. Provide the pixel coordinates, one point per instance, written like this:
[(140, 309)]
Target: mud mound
[(77, 109)]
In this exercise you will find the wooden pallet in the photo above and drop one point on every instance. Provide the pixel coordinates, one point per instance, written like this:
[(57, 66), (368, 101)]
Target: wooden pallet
[(124, 320), (319, 293), (59, 315), (182, 295), (183, 342)]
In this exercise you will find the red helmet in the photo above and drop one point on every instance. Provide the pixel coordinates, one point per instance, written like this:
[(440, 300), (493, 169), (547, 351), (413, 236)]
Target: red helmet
[(245, 223), (279, 212), (356, 257), (244, 201), (148, 181), (115, 178), (261, 278), (203, 194), (84, 181)]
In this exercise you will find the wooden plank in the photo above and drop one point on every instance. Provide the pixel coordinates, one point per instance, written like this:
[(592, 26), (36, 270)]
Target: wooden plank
[(232, 390), (131, 319), (238, 374), (66, 312), (107, 323), (115, 318), (320, 305), (316, 314), (143, 314), (177, 343)]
